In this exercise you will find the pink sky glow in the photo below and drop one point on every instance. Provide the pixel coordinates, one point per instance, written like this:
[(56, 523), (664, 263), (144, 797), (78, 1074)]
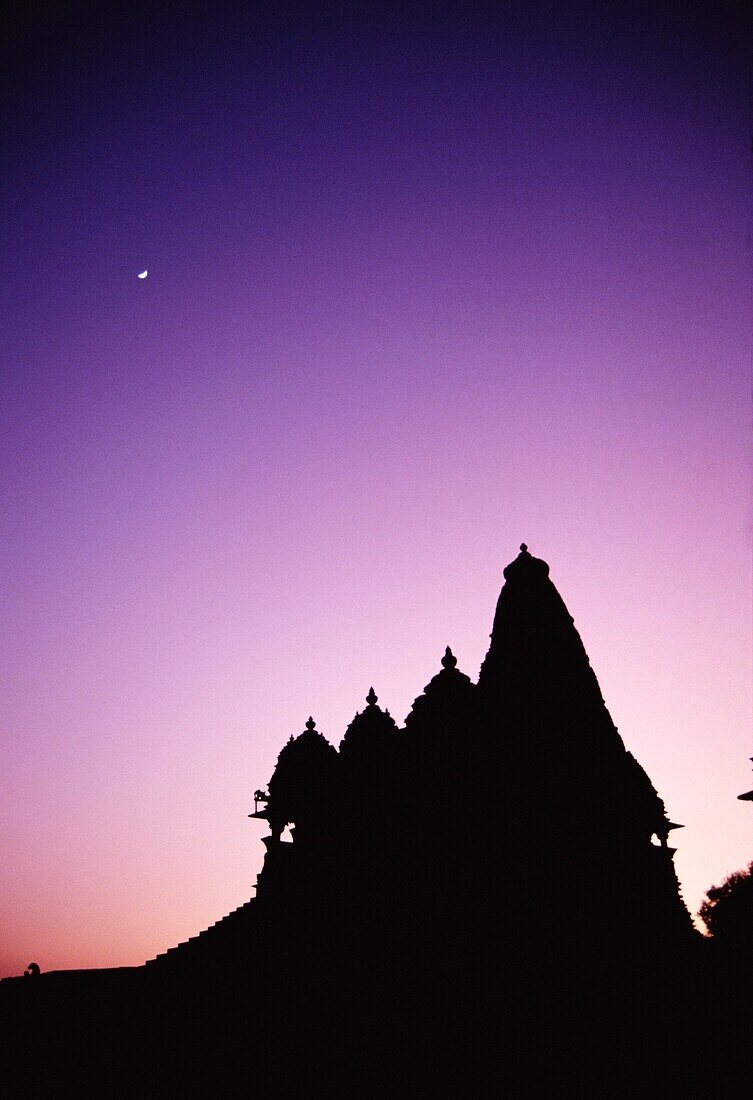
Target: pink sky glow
[(409, 303)]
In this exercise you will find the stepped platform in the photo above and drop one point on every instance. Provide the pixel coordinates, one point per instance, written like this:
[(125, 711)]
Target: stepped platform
[(231, 930)]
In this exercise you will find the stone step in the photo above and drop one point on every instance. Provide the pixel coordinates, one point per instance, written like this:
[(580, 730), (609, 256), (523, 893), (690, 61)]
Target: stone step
[(190, 944)]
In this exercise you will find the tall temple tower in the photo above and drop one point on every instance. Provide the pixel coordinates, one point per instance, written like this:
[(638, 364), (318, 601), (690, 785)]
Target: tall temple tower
[(580, 806)]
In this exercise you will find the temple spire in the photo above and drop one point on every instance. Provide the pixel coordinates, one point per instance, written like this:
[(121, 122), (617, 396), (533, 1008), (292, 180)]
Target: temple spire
[(526, 565), (536, 675)]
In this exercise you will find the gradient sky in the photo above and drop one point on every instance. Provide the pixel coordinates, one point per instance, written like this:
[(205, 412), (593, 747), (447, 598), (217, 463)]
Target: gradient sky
[(423, 283)]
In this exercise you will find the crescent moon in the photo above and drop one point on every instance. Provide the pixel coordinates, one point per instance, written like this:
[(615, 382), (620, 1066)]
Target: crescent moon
[(143, 274)]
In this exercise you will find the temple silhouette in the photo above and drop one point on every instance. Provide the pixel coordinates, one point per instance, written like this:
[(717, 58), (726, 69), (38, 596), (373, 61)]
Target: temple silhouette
[(493, 877), (520, 778)]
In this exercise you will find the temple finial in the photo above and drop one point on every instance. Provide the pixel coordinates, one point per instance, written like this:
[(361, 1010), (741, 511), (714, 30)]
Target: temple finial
[(449, 660), (311, 724), (372, 697), (525, 565)]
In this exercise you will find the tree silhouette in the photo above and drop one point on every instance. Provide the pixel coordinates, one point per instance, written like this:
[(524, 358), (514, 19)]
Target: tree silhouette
[(727, 910)]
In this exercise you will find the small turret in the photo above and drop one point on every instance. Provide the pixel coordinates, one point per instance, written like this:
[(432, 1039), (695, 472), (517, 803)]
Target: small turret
[(369, 761), (372, 731), (302, 785), (448, 701)]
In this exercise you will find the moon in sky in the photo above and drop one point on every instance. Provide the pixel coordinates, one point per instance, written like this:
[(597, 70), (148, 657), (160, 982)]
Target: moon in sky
[(143, 274)]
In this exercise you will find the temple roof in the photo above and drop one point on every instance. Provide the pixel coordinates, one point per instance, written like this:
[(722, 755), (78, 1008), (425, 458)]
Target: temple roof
[(299, 752), (369, 728), (311, 738), (305, 769), (526, 566), (447, 693)]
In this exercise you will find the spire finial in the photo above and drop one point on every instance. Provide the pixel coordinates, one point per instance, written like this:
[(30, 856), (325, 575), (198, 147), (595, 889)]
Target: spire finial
[(449, 660), (525, 565), (311, 724), (372, 697)]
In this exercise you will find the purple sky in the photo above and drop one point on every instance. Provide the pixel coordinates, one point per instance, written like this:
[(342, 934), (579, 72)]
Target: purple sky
[(420, 287)]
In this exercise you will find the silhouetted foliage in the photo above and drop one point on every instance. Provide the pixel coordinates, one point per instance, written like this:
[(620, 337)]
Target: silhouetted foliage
[(727, 910)]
